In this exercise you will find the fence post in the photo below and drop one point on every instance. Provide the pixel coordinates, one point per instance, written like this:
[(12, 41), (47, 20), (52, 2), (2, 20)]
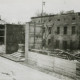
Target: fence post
[(26, 41)]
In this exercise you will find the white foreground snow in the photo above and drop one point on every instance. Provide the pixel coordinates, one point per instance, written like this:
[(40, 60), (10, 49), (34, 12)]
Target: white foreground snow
[(10, 70)]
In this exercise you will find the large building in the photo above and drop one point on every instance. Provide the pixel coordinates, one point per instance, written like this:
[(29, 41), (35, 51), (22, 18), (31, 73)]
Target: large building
[(61, 30)]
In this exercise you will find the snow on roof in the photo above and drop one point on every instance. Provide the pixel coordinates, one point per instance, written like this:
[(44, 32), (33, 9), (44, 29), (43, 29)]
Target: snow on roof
[(2, 22)]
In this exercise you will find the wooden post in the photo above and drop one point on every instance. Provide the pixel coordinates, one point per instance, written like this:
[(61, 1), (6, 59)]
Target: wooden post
[(5, 38), (26, 41), (34, 34)]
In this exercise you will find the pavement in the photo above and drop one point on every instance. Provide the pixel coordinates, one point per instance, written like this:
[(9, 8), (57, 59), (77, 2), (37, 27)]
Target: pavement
[(10, 70)]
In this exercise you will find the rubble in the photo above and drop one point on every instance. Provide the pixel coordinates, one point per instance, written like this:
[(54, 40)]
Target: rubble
[(65, 54)]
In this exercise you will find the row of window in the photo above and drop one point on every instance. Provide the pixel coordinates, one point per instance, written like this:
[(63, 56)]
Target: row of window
[(65, 44), (58, 42), (73, 18), (49, 29), (65, 31), (2, 27)]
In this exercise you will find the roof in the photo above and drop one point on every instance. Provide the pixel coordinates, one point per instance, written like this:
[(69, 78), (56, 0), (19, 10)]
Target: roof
[(55, 15), (42, 16), (2, 22)]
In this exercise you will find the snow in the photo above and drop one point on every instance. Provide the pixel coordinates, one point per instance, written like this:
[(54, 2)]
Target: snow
[(10, 70), (2, 49)]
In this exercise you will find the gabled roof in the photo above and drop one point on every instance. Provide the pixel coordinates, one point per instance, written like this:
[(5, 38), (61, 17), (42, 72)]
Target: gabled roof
[(42, 16)]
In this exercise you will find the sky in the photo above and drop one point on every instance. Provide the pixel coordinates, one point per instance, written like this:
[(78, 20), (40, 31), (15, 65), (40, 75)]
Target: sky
[(22, 10)]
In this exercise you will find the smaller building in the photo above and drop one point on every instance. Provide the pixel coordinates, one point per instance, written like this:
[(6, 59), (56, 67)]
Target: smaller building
[(10, 36), (15, 35)]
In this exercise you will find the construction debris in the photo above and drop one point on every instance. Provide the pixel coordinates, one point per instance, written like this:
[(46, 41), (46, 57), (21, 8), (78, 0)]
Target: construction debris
[(64, 54)]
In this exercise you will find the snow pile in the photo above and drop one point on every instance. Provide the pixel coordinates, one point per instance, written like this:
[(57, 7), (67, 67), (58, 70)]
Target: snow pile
[(6, 76), (2, 49)]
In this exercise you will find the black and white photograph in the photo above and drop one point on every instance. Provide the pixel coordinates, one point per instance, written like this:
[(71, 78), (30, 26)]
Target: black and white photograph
[(39, 39)]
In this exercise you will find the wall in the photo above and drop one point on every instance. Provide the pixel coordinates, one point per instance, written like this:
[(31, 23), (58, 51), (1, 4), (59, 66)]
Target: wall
[(15, 34), (62, 66)]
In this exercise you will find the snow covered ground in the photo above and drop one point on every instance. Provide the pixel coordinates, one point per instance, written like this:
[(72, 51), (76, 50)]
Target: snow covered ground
[(10, 70)]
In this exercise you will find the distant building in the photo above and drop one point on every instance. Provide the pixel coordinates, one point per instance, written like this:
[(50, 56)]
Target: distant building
[(61, 30)]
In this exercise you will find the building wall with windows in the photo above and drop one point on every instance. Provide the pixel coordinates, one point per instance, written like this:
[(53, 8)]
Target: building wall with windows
[(65, 31), (61, 30)]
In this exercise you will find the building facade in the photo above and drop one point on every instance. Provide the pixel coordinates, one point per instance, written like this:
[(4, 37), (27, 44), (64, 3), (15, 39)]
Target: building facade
[(60, 31), (15, 35)]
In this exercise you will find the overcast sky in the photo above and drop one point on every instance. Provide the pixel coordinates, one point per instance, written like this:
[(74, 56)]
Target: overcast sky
[(23, 10)]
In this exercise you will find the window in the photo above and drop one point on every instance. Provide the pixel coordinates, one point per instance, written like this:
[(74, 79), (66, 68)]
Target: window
[(2, 27), (44, 20), (38, 21), (50, 28), (1, 40), (65, 30), (64, 19), (57, 43), (43, 29), (1, 33), (43, 42), (49, 20), (79, 14), (49, 41), (73, 18), (72, 45), (58, 19), (73, 30), (64, 44), (58, 30)]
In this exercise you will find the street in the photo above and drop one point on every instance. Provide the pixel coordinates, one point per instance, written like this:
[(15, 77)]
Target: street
[(10, 70)]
